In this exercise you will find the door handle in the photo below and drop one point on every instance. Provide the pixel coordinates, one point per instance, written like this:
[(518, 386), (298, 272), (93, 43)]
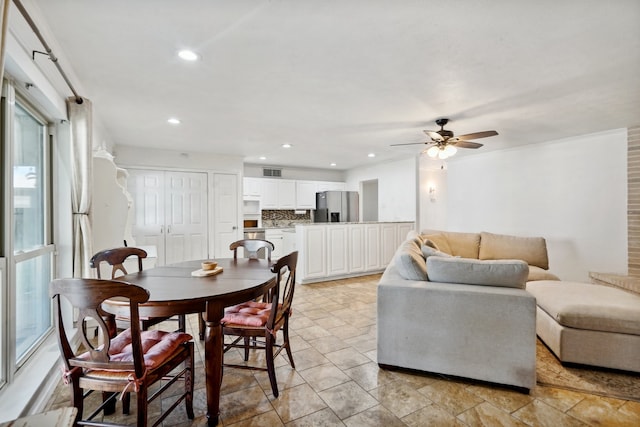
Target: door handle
[(234, 228)]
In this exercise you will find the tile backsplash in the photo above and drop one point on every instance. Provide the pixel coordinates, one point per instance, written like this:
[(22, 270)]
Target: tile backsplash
[(284, 218)]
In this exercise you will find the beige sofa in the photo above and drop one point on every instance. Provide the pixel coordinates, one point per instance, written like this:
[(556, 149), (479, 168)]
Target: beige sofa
[(473, 318)]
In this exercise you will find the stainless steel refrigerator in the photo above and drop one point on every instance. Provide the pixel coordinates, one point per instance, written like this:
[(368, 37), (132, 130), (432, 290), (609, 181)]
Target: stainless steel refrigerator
[(336, 206)]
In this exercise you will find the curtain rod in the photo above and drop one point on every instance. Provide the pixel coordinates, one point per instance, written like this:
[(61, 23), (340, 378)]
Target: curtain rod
[(48, 52)]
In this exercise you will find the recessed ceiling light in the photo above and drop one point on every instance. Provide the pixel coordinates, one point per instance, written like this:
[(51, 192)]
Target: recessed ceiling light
[(371, 154), (173, 121), (333, 164), (262, 158), (188, 55), (286, 145)]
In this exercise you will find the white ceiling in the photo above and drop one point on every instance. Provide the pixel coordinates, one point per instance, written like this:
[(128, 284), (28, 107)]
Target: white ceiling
[(341, 79)]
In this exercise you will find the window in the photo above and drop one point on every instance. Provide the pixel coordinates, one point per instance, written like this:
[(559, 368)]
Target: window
[(26, 258)]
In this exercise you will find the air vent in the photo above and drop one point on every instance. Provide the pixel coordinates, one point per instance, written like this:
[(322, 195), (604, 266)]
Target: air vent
[(271, 172)]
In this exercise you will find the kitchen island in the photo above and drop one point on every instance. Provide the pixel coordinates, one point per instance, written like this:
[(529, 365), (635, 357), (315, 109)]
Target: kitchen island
[(329, 251)]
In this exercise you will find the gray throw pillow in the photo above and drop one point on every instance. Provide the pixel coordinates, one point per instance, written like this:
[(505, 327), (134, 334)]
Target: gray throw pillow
[(506, 273), (428, 250)]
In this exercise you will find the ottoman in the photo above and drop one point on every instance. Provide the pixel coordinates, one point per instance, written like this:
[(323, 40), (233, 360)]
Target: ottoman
[(588, 324)]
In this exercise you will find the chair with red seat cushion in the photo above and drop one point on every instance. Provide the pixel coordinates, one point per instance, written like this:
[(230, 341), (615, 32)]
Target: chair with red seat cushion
[(115, 258), (129, 362), (250, 320)]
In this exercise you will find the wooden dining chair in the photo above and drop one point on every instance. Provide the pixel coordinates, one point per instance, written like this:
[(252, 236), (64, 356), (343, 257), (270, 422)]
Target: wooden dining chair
[(251, 320), (127, 363), (251, 248), (116, 258)]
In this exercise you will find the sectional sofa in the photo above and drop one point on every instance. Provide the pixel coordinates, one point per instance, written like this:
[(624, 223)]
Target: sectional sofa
[(456, 304), (470, 305)]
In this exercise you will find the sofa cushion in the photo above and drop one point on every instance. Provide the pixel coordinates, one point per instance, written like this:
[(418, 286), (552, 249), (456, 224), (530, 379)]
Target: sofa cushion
[(537, 273), (439, 240), (410, 261), (428, 251), (507, 273), (588, 306), (532, 250), (465, 245)]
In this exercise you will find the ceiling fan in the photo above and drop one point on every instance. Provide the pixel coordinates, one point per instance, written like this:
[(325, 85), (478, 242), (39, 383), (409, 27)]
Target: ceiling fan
[(446, 144)]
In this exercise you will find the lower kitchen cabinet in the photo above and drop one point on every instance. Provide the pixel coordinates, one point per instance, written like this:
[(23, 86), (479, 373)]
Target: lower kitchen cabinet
[(330, 251), (275, 236)]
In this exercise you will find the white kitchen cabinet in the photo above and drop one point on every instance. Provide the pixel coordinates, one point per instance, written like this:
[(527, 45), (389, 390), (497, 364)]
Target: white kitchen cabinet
[(312, 247), (286, 194), (288, 241), (275, 236), (306, 194), (403, 229), (337, 250), (372, 247), (388, 242), (356, 248), (269, 197), (327, 251), (251, 188)]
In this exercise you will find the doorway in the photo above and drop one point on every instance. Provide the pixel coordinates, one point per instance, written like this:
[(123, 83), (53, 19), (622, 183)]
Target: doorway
[(369, 200)]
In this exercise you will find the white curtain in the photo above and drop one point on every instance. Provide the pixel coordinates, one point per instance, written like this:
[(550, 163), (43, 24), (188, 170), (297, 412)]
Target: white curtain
[(81, 174), (4, 24)]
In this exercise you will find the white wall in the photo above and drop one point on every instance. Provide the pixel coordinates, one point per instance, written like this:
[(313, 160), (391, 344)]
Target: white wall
[(573, 192), (396, 187)]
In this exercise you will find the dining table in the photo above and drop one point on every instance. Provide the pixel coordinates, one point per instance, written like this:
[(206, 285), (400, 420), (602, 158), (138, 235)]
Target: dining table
[(174, 290)]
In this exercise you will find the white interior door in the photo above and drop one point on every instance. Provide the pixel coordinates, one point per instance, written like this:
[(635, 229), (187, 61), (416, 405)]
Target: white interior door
[(170, 213), (185, 216), (225, 189), (147, 190)]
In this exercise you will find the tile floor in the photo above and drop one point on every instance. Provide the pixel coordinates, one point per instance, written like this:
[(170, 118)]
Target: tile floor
[(338, 383)]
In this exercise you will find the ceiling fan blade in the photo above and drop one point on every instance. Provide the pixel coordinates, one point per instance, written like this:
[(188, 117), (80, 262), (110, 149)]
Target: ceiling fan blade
[(411, 143), (477, 135), (434, 135), (467, 144)]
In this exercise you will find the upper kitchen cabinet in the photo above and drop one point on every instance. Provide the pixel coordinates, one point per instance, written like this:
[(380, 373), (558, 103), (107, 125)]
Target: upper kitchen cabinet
[(306, 194), (251, 188), (286, 194), (269, 196)]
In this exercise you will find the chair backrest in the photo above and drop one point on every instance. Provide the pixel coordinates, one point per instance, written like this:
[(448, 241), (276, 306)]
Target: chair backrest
[(251, 248), (282, 293), (87, 295), (116, 258)]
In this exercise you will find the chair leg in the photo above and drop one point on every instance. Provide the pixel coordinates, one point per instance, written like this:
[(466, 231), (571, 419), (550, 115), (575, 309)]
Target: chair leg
[(201, 326), (77, 400), (142, 406), (271, 370), (246, 349), (285, 334), (110, 407), (182, 323), (188, 384), (126, 403)]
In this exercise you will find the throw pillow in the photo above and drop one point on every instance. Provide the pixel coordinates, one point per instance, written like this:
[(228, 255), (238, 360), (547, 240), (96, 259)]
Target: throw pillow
[(410, 262), (532, 250), (428, 251), (506, 273)]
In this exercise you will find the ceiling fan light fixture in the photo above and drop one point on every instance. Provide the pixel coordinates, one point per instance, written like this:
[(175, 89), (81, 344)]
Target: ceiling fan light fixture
[(442, 154), (450, 150), (433, 151)]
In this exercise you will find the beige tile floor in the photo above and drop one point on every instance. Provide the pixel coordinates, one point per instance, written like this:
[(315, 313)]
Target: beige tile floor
[(338, 383)]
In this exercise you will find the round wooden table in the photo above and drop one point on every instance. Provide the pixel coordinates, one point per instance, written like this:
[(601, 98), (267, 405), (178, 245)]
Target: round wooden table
[(174, 291)]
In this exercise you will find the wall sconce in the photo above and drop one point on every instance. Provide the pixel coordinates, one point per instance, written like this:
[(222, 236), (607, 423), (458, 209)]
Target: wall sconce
[(432, 193)]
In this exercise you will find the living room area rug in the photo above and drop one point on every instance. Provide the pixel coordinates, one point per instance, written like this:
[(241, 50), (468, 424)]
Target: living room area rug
[(603, 382)]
